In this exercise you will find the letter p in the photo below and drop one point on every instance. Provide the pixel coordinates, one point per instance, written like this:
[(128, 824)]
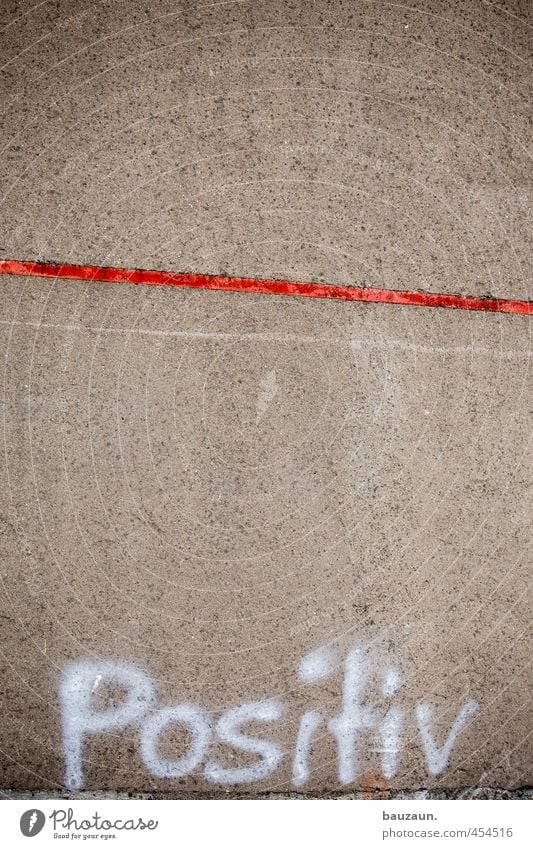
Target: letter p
[(80, 681)]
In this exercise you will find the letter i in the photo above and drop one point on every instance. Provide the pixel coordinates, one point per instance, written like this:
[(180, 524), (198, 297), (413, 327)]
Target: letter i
[(316, 665), (391, 727)]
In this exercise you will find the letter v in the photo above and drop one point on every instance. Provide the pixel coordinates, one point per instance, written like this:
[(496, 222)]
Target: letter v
[(436, 758)]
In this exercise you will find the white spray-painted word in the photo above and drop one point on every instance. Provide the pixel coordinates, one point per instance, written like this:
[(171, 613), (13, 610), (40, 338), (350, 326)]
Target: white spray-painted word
[(356, 717)]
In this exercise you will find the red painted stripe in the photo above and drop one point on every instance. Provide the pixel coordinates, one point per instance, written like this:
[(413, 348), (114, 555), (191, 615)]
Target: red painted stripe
[(271, 287)]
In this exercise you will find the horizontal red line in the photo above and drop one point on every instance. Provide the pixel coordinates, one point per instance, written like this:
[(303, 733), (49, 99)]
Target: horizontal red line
[(272, 287)]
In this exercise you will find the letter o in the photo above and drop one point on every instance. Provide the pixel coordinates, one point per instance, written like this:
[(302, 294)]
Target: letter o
[(189, 716)]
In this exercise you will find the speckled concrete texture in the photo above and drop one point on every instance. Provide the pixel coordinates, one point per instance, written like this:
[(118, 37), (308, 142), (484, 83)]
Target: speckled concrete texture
[(211, 486)]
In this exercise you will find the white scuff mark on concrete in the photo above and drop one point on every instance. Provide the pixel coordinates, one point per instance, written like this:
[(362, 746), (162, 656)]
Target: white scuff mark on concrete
[(355, 344), (268, 389), (416, 348)]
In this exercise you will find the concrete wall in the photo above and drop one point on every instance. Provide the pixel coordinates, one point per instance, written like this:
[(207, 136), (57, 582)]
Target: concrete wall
[(255, 544)]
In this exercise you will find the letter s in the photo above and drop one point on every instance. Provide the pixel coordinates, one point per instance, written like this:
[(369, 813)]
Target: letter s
[(228, 732)]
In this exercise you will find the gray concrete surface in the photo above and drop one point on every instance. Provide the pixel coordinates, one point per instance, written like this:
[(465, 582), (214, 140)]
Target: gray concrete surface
[(209, 487)]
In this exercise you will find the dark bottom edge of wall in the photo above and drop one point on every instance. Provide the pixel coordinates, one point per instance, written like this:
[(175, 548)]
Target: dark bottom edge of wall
[(420, 794)]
